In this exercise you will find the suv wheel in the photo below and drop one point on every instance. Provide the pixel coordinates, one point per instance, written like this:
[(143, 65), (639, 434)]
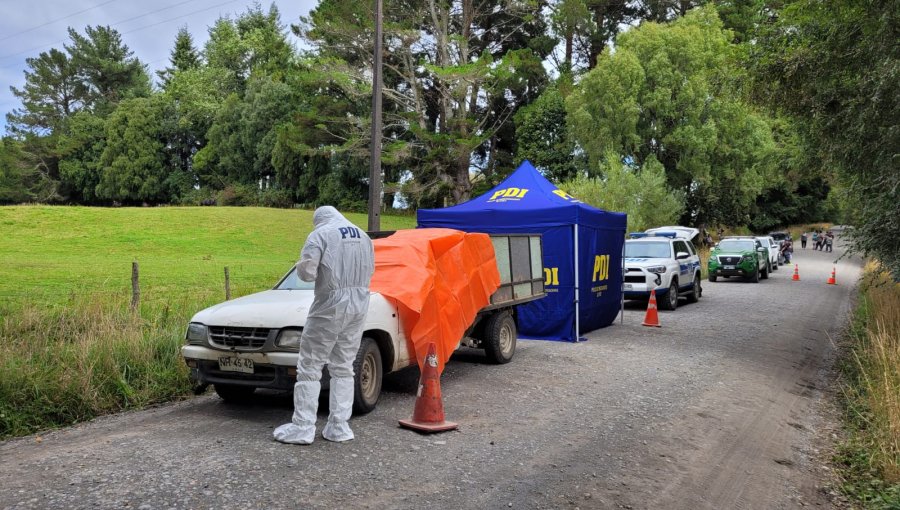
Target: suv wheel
[(765, 273), (670, 302), (754, 277), (697, 291)]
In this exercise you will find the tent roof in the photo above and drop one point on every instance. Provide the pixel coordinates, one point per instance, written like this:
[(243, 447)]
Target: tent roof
[(524, 199)]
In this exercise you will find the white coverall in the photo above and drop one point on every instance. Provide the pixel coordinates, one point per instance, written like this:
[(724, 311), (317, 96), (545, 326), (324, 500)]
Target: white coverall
[(340, 258)]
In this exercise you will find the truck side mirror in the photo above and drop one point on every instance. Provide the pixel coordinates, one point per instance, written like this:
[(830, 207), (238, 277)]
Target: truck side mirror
[(681, 255)]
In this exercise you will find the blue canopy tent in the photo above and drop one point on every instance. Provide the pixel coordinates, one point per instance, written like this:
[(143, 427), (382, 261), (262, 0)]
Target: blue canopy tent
[(584, 292)]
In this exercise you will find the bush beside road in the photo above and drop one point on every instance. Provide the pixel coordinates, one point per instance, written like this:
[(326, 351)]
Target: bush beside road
[(870, 456)]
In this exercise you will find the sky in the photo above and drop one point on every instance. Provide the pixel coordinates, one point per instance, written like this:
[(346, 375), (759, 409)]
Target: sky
[(28, 27)]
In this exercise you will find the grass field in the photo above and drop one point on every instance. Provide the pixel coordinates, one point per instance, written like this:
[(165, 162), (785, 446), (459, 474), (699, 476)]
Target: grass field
[(71, 348), (47, 253)]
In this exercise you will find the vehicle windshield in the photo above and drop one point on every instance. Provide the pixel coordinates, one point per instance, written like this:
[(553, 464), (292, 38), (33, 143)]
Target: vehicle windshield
[(736, 245), (648, 250), (293, 282)]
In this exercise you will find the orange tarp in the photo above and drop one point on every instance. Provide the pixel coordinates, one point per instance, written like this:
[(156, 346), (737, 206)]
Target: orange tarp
[(440, 278)]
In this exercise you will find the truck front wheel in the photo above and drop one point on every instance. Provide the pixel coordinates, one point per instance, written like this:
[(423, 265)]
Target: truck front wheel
[(500, 338), (368, 371)]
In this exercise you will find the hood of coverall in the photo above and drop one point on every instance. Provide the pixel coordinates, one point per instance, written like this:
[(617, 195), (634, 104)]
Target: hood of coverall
[(326, 214)]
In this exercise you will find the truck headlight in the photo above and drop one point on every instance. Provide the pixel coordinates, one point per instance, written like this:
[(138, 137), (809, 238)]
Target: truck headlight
[(197, 333), (747, 258), (656, 269), (289, 338)]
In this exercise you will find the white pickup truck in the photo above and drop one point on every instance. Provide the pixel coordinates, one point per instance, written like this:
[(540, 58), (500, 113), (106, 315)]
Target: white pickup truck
[(252, 342)]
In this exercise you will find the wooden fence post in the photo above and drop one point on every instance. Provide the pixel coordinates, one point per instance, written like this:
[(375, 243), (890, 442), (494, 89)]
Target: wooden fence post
[(135, 286), (227, 285)]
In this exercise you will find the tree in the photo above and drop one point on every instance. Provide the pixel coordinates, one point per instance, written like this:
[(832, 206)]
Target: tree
[(80, 148), (670, 93), (194, 98), (13, 175), (106, 68), (455, 74), (643, 195), (254, 42), (52, 92), (542, 136), (133, 161), (835, 65), (184, 57)]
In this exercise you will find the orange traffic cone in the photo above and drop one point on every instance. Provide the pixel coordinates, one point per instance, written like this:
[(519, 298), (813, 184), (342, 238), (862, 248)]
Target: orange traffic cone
[(652, 318), (831, 280), (428, 415), (796, 276)]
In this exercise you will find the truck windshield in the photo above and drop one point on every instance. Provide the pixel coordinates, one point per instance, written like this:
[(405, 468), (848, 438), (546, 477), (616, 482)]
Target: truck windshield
[(293, 282), (736, 245), (648, 250)]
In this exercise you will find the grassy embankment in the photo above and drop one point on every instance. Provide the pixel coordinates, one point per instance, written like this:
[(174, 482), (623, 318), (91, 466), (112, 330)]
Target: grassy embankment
[(870, 458), (70, 347)]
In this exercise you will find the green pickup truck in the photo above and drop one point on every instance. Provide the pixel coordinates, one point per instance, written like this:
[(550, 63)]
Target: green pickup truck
[(739, 256)]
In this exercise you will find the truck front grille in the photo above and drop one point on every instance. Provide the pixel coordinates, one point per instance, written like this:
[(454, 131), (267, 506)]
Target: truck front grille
[(238, 338), (731, 261)]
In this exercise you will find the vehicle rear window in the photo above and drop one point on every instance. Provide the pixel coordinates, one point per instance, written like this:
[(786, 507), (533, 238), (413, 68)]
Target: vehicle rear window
[(648, 250)]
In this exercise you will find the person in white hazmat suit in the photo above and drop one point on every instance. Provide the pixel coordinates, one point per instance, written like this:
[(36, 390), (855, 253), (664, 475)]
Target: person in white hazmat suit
[(340, 258)]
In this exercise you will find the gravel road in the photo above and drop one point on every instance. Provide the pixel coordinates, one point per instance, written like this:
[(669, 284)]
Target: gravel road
[(725, 406)]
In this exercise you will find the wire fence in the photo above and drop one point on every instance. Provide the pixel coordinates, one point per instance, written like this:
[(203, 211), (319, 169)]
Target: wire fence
[(56, 284)]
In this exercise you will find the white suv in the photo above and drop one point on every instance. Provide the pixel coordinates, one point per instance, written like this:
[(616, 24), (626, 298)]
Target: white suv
[(662, 259), (774, 251)]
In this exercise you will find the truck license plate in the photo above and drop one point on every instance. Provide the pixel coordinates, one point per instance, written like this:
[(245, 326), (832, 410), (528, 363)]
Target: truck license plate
[(627, 286), (727, 267), (232, 364)]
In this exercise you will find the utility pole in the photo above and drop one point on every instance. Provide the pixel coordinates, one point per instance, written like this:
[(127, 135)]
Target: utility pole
[(375, 149)]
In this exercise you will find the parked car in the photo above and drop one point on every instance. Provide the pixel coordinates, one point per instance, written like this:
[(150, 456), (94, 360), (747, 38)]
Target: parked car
[(779, 237), (253, 341), (739, 256), (664, 261), (775, 257)]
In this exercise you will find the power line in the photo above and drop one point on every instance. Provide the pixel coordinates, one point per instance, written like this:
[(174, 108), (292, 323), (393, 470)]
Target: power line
[(179, 17), (4, 57), (55, 20)]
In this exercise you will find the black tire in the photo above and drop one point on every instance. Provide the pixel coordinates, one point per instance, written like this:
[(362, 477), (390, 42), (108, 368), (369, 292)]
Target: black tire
[(234, 394), (754, 277), (670, 302), (697, 291), (765, 273), (713, 278), (368, 373), (500, 338)]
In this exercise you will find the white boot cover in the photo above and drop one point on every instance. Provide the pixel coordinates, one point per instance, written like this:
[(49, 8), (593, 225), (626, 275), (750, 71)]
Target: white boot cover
[(302, 429), (341, 407)]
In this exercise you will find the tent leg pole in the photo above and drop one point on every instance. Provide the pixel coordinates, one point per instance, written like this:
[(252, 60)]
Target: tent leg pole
[(577, 278), (622, 292)]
